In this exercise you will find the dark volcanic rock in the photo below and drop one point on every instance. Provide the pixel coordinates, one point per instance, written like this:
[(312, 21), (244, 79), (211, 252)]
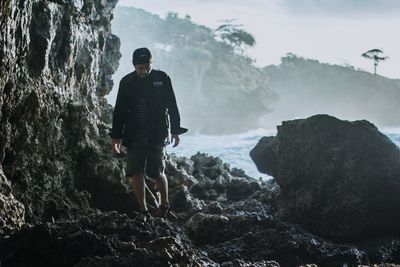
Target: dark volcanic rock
[(203, 183), (242, 226), (382, 249), (11, 210), (337, 178), (252, 236), (56, 62), (100, 239)]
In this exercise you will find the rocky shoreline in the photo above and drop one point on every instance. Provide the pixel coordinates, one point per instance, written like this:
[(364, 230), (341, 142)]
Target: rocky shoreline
[(223, 218), (65, 200)]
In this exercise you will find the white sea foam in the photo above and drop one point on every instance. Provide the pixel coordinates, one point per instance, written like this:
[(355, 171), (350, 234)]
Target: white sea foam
[(234, 149)]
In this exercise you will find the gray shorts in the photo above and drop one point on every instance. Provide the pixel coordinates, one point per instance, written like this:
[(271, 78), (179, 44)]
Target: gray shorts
[(145, 159)]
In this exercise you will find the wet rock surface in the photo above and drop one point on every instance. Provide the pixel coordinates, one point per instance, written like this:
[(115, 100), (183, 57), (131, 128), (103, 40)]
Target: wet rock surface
[(64, 198), (338, 179)]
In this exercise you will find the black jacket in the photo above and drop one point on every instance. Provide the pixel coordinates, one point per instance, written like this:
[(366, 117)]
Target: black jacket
[(162, 103)]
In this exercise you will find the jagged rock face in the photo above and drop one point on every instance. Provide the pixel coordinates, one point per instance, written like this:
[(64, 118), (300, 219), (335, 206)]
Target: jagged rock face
[(251, 236), (337, 178), (56, 58), (11, 210), (203, 182), (100, 239)]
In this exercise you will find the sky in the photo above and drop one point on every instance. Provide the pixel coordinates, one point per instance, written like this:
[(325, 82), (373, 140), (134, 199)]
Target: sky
[(331, 31)]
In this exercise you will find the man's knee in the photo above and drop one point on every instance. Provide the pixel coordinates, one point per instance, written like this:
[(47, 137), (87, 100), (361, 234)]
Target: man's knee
[(154, 174), (136, 175), (155, 169), (162, 176)]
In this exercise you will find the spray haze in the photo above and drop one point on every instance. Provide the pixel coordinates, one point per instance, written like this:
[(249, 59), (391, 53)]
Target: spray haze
[(221, 91)]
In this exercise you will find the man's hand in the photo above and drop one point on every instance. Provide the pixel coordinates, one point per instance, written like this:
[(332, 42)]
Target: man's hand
[(116, 146), (175, 140)]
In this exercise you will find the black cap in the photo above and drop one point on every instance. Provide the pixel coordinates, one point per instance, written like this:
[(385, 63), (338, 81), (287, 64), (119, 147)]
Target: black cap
[(141, 56)]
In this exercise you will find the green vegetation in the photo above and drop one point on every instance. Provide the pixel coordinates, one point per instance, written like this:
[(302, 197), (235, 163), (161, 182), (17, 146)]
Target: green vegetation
[(375, 55), (234, 36)]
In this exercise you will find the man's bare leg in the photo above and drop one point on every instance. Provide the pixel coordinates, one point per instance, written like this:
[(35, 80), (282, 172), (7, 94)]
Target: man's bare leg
[(139, 190), (162, 185)]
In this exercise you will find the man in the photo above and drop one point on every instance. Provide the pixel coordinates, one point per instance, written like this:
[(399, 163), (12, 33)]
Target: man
[(144, 107)]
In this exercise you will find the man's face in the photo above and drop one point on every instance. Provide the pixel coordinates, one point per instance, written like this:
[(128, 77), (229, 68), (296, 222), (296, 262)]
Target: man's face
[(142, 70)]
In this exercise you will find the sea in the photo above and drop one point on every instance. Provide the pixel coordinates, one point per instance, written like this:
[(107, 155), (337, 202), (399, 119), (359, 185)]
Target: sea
[(234, 149)]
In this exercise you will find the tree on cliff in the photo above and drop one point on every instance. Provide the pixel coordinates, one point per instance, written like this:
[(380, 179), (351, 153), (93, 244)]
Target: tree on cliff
[(234, 36), (375, 55)]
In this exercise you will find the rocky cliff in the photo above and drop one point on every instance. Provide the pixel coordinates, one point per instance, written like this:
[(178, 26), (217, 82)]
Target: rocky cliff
[(57, 58)]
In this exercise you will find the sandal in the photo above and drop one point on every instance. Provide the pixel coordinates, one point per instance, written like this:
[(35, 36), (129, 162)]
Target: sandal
[(143, 216), (162, 211)]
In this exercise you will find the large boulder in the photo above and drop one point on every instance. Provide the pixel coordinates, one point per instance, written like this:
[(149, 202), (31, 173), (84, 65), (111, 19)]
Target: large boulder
[(337, 178)]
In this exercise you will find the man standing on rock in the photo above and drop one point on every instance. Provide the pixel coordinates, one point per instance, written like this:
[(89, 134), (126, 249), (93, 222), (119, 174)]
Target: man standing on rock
[(144, 107)]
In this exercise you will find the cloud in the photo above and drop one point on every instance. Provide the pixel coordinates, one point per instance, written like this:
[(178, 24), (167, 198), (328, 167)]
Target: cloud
[(342, 8)]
